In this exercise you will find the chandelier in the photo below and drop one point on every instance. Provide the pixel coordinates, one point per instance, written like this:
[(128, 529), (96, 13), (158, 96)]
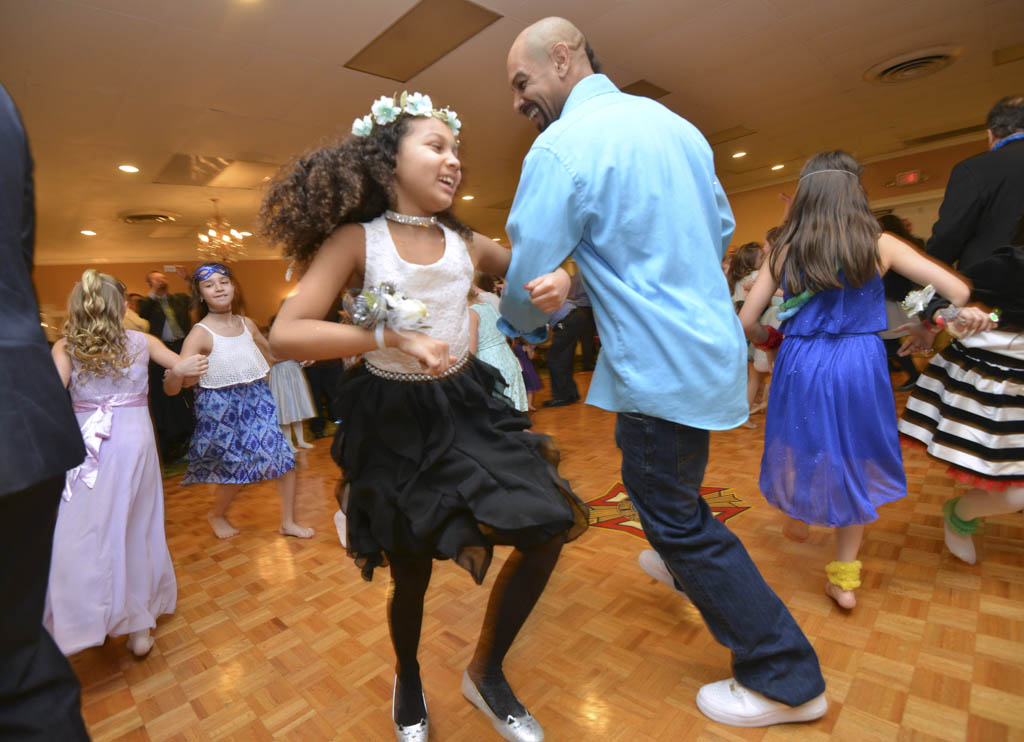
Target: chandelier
[(221, 242)]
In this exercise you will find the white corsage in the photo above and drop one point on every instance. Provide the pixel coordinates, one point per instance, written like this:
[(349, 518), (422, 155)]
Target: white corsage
[(917, 300), (385, 305)]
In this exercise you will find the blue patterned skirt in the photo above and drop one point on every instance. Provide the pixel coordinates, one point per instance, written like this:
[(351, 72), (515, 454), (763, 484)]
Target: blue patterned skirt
[(237, 439)]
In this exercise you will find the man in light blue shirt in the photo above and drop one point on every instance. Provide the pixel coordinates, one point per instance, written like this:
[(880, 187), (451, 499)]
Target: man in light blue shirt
[(628, 189)]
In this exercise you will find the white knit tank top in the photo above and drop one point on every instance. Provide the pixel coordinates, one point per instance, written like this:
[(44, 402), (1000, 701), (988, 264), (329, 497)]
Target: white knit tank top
[(233, 360), (442, 286)]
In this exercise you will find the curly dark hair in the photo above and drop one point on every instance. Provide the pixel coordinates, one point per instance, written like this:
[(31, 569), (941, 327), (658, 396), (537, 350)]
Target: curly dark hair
[(350, 181)]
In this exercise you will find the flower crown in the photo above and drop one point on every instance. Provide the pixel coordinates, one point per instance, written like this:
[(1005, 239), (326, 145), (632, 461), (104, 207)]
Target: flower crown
[(385, 110)]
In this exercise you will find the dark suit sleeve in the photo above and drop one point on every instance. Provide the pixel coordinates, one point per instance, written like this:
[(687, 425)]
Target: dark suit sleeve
[(958, 215)]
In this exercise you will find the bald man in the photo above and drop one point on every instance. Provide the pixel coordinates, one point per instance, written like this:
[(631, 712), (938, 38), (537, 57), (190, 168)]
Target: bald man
[(628, 189)]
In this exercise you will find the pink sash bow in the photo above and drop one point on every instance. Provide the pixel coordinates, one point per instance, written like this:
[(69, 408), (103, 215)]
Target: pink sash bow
[(95, 430)]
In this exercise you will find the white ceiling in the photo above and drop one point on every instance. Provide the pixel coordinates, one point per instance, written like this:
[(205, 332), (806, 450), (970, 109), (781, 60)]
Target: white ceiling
[(104, 82)]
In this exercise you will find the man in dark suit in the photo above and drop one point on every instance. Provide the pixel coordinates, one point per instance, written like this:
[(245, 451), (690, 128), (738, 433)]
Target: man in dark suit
[(168, 316), (985, 192), (39, 442)]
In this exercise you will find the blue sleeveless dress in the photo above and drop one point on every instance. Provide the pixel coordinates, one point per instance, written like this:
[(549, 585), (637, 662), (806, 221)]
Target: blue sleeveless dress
[(831, 448)]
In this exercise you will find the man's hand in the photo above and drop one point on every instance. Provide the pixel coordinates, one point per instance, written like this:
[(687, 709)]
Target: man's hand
[(548, 292)]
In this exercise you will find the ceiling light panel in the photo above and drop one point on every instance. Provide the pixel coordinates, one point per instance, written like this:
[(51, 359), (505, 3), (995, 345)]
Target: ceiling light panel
[(428, 32)]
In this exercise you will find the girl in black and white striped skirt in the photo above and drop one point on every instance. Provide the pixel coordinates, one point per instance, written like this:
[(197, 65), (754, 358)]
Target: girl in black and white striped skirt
[(968, 405)]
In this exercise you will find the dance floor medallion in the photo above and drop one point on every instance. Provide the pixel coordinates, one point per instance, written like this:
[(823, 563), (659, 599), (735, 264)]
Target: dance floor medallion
[(614, 510)]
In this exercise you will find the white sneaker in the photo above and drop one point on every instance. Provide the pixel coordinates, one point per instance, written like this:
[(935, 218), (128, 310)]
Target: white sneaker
[(730, 703), (651, 563)]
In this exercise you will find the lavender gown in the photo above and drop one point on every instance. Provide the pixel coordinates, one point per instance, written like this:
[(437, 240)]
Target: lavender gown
[(111, 572)]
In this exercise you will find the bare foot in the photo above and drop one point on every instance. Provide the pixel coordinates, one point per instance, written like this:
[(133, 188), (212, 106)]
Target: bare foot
[(748, 425), (796, 530), (140, 642), (221, 527), (303, 444), (843, 598), (294, 529)]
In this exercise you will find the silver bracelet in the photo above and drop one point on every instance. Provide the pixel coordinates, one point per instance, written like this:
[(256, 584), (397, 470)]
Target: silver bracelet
[(378, 336)]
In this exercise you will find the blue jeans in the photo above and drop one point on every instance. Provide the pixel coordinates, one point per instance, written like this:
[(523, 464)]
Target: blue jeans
[(662, 468)]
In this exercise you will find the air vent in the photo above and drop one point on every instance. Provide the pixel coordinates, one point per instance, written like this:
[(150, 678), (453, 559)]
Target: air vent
[(148, 217), (913, 65)]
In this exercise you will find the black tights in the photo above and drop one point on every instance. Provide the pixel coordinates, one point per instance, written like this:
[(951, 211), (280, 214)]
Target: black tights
[(515, 592)]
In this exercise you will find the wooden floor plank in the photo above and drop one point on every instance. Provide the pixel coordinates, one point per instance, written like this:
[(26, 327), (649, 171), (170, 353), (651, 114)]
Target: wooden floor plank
[(281, 639)]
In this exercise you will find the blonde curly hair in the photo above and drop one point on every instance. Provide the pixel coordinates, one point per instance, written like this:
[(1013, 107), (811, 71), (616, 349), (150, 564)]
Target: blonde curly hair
[(93, 331)]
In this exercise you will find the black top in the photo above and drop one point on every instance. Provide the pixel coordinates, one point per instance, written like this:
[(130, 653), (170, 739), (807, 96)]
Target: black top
[(983, 201), (39, 436)]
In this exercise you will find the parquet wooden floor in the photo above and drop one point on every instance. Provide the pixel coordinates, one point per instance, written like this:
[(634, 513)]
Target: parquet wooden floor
[(277, 638)]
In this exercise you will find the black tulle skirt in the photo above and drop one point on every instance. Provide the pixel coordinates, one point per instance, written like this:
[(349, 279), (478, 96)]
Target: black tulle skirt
[(446, 469)]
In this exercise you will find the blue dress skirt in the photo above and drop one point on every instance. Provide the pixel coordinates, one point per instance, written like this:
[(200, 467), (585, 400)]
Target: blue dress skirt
[(237, 439), (831, 449)]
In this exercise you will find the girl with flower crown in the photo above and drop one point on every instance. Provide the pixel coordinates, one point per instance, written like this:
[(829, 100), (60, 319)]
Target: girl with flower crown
[(236, 439), (436, 462), (831, 449)]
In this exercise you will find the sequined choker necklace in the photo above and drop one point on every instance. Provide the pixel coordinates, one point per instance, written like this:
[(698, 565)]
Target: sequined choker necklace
[(415, 221)]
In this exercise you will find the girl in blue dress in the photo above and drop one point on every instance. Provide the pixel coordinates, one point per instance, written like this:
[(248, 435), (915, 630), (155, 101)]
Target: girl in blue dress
[(236, 439), (831, 450)]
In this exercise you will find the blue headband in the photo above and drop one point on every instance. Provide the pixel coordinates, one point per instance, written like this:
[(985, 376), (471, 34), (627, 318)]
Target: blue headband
[(208, 270)]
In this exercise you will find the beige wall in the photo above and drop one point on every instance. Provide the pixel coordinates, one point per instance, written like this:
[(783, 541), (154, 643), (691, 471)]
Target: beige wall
[(262, 283), (758, 210)]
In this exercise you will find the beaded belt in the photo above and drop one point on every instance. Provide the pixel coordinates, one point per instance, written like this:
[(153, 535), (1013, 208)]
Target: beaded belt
[(399, 376)]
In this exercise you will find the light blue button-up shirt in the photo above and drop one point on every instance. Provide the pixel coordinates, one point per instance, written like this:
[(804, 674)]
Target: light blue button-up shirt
[(628, 189)]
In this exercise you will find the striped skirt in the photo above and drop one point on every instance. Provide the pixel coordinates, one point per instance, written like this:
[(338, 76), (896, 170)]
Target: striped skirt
[(968, 409)]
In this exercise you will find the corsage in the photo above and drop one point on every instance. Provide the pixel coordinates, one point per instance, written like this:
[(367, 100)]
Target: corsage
[(916, 301), (384, 307)]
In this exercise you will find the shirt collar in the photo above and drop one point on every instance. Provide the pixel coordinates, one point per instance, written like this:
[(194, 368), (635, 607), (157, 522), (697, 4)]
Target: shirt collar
[(589, 87)]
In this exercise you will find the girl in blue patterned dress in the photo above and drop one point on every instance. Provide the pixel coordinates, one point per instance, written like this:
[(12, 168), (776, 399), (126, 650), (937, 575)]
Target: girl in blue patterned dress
[(436, 462), (831, 449), (236, 439)]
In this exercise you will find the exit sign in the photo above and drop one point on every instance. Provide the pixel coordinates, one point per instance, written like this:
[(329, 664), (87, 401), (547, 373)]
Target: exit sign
[(911, 177)]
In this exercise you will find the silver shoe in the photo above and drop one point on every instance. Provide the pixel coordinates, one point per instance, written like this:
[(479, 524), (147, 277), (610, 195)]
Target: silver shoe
[(418, 732), (514, 728)]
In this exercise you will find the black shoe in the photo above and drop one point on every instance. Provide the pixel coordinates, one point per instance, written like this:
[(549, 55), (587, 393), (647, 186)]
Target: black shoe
[(557, 402), (907, 385)]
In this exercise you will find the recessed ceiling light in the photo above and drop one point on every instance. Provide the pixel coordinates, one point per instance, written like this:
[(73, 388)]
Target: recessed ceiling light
[(739, 154), (127, 168), (777, 167), (467, 198), (88, 233), (496, 239)]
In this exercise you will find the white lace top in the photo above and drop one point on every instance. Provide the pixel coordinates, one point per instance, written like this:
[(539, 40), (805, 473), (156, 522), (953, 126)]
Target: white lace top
[(233, 360), (442, 286)]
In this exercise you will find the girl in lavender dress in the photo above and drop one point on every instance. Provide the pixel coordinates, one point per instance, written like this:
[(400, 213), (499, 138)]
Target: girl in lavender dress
[(111, 572)]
